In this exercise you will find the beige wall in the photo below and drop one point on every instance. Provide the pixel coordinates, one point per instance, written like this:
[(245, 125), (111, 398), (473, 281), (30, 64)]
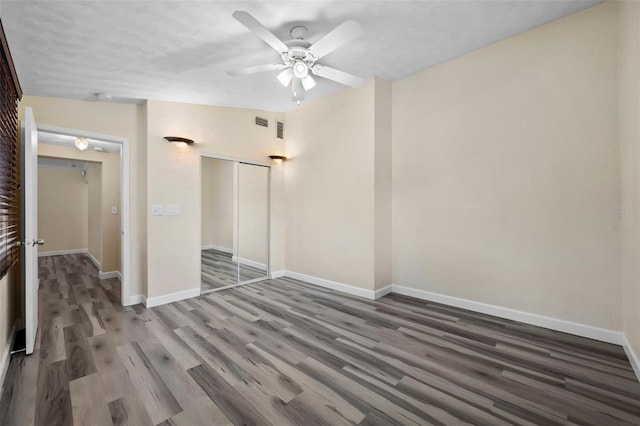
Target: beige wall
[(109, 187), (382, 184), (629, 107), (94, 183), (121, 120), (62, 209), (173, 249), (217, 202), (338, 187), (330, 189), (505, 162)]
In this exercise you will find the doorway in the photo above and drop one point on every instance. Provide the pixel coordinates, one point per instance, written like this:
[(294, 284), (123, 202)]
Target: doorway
[(30, 241), (107, 163), (234, 220)]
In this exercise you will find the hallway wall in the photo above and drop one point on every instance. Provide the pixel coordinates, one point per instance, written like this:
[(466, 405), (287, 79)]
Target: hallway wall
[(106, 185), (63, 209), (96, 232)]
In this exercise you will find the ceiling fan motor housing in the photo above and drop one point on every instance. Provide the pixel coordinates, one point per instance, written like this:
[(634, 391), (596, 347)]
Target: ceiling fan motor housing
[(297, 54)]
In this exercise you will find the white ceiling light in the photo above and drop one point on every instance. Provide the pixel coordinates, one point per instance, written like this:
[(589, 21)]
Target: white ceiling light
[(285, 77), (308, 82), (81, 143)]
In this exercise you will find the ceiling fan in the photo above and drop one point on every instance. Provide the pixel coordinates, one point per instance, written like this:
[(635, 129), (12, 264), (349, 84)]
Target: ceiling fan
[(299, 57)]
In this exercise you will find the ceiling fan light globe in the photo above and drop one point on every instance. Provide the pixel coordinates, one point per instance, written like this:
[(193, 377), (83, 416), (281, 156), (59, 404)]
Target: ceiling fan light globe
[(285, 77), (308, 83), (300, 69)]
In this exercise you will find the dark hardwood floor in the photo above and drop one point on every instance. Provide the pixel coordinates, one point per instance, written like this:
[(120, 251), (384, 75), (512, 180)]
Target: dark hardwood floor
[(283, 352), (219, 270)]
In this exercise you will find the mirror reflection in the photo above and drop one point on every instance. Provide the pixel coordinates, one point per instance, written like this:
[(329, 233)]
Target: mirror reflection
[(253, 212), (235, 223)]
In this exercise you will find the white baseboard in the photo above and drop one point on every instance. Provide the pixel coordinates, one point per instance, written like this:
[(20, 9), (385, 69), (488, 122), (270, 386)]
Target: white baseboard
[(110, 274), (248, 262), (61, 252), (583, 330), (219, 248), (633, 357), (333, 285), (150, 302), (591, 332), (136, 299), (93, 260), (278, 274), (6, 355), (382, 291)]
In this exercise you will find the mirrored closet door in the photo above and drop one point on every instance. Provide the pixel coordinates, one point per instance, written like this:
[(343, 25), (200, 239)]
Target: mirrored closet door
[(253, 222), (234, 223)]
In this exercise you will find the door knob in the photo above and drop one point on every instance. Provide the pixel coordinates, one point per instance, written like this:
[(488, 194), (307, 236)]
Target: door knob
[(38, 242)]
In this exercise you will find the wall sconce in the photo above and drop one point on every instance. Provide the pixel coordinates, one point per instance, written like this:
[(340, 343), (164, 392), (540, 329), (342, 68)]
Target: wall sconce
[(180, 142), (81, 143), (278, 158)]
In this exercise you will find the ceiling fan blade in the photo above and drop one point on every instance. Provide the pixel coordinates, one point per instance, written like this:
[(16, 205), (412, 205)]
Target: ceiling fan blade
[(339, 76), (340, 35), (260, 30), (297, 90), (257, 69)]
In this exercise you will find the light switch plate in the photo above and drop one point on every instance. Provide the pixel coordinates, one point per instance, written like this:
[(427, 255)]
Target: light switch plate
[(172, 210), (157, 210), (114, 209)]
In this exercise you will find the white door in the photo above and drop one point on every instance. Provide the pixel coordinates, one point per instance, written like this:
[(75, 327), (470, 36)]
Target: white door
[(30, 226)]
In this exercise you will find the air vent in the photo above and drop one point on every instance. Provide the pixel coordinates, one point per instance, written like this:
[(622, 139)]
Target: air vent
[(279, 130), (262, 122)]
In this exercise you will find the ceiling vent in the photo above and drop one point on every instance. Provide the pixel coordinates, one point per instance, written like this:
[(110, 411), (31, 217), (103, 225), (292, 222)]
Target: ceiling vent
[(262, 122), (279, 130)]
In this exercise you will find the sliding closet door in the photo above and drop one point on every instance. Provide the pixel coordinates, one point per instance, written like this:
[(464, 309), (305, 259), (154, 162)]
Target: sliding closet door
[(253, 222), (218, 215)]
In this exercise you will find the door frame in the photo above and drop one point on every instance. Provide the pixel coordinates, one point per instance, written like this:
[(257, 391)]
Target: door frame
[(236, 214), (126, 297)]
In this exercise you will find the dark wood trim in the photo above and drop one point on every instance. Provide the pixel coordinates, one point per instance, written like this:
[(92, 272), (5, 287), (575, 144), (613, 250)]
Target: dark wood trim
[(7, 55), (178, 139)]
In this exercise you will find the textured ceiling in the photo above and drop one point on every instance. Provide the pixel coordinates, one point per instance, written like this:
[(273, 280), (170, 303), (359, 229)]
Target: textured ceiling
[(181, 50)]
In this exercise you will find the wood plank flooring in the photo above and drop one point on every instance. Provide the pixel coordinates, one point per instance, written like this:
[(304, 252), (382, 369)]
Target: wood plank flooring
[(219, 270), (282, 352)]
